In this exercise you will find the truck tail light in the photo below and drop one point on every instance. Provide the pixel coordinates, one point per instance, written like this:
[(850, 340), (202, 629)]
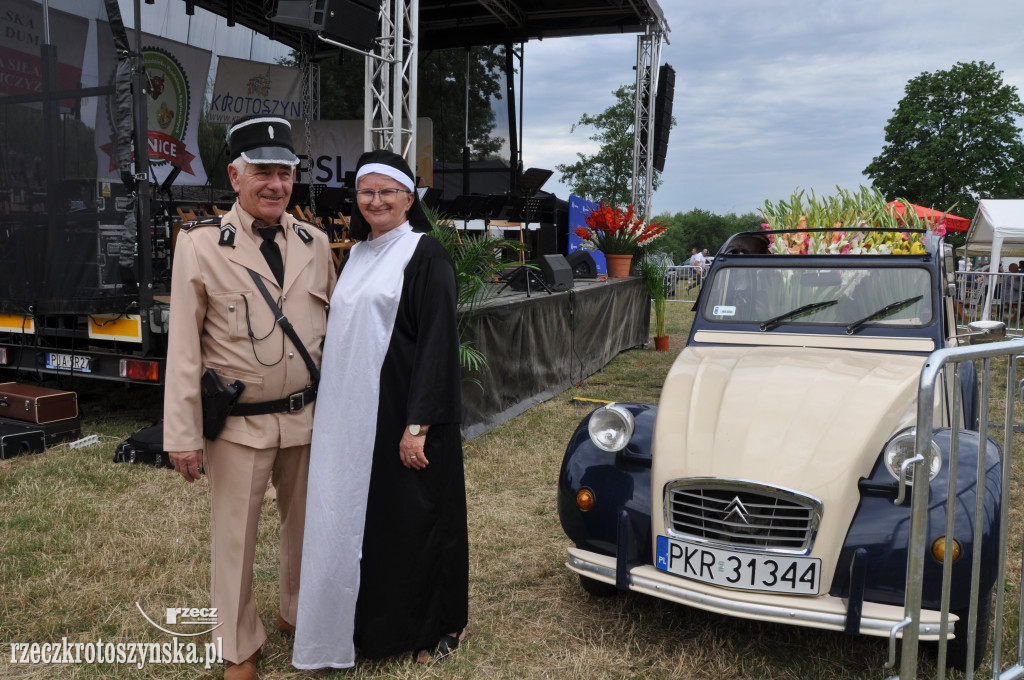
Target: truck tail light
[(138, 369)]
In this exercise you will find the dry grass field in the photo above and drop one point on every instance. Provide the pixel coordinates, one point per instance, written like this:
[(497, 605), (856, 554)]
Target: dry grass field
[(83, 540)]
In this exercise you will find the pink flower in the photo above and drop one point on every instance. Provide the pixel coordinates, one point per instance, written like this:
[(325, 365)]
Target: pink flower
[(940, 228)]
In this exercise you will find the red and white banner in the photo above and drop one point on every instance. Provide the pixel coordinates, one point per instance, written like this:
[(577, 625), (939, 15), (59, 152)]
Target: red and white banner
[(21, 35)]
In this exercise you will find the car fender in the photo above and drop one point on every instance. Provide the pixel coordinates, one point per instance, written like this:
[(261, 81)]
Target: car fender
[(882, 529), (620, 482)]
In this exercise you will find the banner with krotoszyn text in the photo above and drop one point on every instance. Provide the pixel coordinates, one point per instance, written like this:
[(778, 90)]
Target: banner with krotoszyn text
[(176, 78), (244, 88)]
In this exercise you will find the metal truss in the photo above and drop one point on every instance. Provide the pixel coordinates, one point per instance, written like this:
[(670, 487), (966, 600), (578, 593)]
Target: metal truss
[(648, 61), (390, 90)]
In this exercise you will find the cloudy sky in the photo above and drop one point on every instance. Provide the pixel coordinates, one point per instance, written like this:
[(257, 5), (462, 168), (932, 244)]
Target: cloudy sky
[(770, 95)]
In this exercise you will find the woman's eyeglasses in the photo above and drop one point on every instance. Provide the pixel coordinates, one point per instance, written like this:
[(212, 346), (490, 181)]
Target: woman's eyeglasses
[(366, 195)]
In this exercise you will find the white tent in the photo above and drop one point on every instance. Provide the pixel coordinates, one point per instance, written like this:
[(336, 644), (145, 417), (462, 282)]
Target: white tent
[(998, 228)]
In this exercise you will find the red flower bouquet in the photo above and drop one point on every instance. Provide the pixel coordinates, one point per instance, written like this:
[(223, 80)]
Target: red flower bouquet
[(618, 232)]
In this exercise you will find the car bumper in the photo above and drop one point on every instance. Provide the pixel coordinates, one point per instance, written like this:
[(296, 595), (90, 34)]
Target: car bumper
[(825, 612)]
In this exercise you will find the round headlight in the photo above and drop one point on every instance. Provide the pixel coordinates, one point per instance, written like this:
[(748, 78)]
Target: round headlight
[(901, 448), (611, 427)]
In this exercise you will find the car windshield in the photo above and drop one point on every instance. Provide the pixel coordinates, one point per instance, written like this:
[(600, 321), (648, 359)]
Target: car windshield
[(854, 297)]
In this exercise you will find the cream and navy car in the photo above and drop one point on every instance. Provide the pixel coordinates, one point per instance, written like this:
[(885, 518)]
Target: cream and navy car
[(763, 485)]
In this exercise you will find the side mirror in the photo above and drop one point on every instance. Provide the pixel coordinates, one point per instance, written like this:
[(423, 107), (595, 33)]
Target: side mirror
[(986, 330)]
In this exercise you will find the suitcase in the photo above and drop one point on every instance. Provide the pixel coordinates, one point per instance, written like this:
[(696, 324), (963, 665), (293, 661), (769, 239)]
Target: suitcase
[(19, 440), (36, 404), (57, 432), (144, 446)]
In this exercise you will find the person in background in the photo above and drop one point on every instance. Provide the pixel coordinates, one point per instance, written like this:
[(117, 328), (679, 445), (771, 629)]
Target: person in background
[(386, 557), (221, 321)]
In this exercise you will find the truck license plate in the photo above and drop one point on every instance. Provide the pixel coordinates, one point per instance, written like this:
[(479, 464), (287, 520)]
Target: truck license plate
[(68, 362), (769, 572)]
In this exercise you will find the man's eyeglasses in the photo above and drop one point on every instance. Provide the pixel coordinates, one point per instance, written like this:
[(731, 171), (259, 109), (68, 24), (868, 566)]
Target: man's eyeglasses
[(366, 195)]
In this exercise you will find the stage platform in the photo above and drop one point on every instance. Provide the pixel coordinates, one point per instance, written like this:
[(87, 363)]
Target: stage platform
[(540, 345)]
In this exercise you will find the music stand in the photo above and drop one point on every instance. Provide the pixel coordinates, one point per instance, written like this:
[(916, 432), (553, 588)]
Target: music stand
[(491, 207), (531, 181), (466, 207)]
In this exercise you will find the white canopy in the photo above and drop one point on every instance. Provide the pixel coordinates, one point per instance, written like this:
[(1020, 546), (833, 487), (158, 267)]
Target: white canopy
[(997, 227)]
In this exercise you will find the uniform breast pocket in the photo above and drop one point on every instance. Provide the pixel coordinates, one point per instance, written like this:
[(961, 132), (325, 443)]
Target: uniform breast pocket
[(319, 305), (227, 313)]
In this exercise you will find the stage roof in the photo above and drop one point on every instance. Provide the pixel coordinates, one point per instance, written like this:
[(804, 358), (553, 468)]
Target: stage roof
[(465, 23)]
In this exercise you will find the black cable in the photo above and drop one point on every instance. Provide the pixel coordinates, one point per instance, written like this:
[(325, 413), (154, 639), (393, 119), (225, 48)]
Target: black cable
[(253, 339)]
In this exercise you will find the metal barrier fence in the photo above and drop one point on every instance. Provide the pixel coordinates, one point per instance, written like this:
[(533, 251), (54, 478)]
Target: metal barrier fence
[(1007, 296), (683, 282), (935, 372)]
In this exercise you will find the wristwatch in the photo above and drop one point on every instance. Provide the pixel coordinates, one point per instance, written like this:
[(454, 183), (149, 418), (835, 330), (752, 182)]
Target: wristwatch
[(418, 430)]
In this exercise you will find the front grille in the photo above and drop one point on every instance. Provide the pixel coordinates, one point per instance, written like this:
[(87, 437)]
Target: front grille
[(742, 514)]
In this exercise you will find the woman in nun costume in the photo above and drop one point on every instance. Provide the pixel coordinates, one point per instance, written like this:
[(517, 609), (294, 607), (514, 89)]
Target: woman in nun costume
[(385, 557)]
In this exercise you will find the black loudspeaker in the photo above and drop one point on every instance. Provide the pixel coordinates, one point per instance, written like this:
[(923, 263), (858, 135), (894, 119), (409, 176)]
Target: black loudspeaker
[(351, 22), (663, 115), (582, 264), (556, 272)]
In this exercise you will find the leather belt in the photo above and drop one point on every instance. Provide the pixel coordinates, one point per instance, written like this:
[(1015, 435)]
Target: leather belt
[(289, 404)]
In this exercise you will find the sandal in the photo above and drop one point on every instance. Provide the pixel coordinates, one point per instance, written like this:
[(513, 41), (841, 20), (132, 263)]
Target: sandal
[(446, 646)]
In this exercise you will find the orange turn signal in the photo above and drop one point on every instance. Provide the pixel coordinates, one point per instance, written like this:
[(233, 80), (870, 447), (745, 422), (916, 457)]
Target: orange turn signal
[(584, 499), (940, 550)]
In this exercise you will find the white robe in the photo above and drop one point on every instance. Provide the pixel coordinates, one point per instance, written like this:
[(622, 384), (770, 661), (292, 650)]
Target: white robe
[(344, 428)]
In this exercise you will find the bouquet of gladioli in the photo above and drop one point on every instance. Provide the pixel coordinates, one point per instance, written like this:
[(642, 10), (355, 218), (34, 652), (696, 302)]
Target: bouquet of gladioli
[(852, 224), (618, 232)]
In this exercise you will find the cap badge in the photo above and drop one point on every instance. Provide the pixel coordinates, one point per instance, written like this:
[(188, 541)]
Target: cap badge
[(270, 131)]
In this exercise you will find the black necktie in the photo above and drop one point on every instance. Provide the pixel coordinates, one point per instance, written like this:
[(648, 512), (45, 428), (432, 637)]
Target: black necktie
[(272, 253)]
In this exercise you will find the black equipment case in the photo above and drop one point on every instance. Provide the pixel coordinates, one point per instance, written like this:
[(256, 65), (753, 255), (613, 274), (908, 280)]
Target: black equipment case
[(18, 440), (56, 432), (144, 446)]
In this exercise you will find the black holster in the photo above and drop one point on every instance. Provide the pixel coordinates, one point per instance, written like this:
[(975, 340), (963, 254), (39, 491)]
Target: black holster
[(218, 400)]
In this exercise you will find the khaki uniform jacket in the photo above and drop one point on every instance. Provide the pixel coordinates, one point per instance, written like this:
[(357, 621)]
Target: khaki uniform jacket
[(215, 305)]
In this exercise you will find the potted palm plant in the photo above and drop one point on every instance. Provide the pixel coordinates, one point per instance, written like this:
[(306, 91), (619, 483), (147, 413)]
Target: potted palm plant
[(654, 272)]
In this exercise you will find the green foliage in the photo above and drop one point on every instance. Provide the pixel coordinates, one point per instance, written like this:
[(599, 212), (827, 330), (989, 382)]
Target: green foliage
[(607, 176), (953, 139), (211, 150), (654, 271), (478, 258), (701, 229)]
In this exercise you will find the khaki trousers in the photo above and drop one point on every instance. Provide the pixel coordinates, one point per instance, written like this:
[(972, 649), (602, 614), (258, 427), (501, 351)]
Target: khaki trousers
[(238, 477)]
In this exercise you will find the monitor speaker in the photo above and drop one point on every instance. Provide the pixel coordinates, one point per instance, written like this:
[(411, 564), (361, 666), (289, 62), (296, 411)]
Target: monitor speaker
[(556, 272), (582, 264), (350, 22)]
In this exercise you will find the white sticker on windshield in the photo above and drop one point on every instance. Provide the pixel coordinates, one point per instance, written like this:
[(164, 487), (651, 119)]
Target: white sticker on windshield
[(724, 310)]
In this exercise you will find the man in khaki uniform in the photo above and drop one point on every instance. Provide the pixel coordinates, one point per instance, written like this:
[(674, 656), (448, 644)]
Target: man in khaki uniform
[(221, 321)]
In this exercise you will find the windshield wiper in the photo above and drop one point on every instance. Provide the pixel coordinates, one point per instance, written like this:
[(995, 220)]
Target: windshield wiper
[(799, 311), (890, 308)]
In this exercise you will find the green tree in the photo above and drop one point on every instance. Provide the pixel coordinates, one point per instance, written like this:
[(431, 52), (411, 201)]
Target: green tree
[(701, 229), (953, 139), (607, 176)]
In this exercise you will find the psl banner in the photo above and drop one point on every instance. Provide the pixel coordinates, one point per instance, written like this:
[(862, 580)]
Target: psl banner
[(21, 34), (579, 208), (251, 87), (176, 76), (337, 145)]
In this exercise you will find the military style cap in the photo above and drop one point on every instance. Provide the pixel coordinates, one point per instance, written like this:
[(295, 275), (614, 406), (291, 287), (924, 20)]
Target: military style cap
[(262, 139)]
